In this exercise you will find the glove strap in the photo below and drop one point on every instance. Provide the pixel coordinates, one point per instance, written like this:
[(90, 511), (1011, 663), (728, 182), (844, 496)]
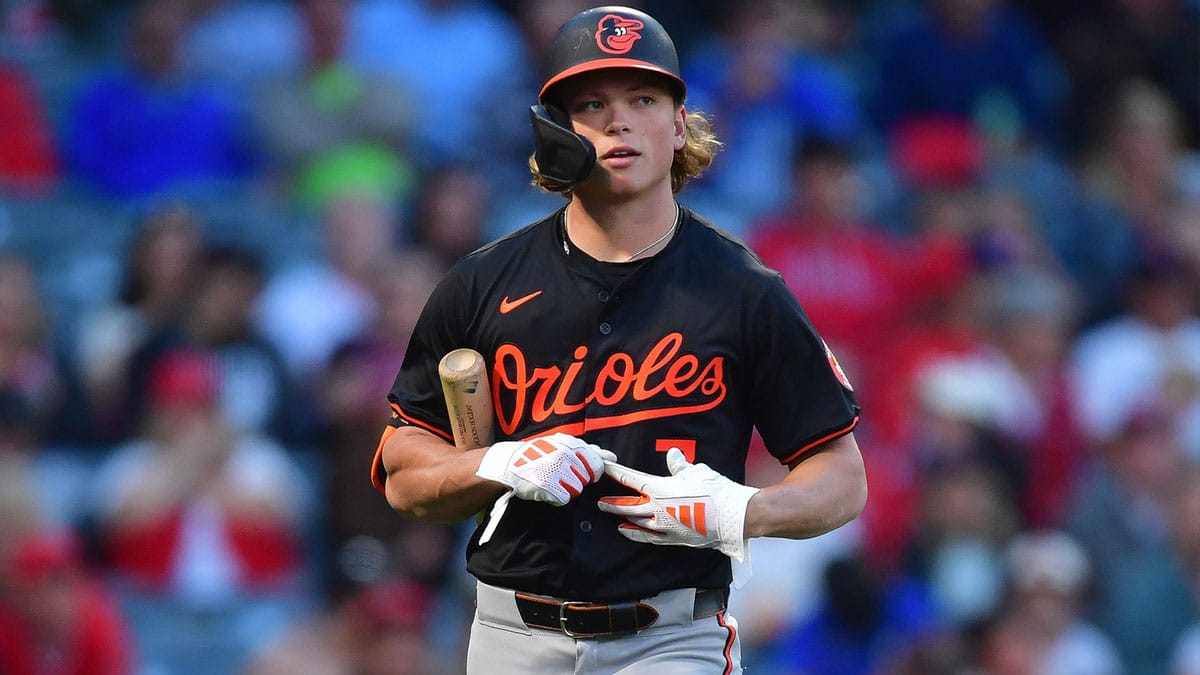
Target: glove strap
[(732, 526), (494, 465)]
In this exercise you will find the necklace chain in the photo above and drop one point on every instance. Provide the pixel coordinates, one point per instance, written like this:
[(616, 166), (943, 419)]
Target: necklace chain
[(656, 242)]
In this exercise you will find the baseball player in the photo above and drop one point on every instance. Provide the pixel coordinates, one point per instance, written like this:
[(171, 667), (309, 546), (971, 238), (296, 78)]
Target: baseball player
[(632, 347)]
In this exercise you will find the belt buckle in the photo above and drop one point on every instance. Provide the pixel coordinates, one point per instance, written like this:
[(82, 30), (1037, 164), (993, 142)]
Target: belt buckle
[(562, 616)]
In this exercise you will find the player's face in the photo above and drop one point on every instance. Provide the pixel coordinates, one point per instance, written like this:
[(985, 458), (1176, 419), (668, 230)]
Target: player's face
[(632, 119)]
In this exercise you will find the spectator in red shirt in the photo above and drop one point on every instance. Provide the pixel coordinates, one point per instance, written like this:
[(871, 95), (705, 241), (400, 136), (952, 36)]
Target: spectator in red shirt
[(858, 283), (27, 160), (201, 526), (54, 618)]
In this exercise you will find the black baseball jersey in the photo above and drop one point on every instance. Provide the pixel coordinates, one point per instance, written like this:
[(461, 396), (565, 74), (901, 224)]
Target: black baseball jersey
[(692, 348)]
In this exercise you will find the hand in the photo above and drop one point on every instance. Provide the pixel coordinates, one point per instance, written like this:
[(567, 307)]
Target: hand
[(552, 469), (694, 506)]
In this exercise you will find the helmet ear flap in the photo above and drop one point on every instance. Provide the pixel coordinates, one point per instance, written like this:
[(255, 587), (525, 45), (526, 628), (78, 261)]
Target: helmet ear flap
[(562, 156)]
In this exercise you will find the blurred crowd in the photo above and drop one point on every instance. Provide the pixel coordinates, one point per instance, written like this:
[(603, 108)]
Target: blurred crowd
[(219, 220)]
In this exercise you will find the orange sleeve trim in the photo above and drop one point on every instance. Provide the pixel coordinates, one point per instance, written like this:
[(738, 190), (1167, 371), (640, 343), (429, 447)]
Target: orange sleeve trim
[(418, 423), (840, 432), (378, 473)]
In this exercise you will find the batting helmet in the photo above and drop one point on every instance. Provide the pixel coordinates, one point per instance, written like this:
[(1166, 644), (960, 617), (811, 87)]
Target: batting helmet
[(611, 37), (596, 39)]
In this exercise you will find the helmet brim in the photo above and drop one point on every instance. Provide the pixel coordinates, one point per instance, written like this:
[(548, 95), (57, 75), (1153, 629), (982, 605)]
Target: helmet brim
[(607, 64)]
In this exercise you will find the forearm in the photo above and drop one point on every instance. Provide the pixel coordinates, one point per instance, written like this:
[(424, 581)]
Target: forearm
[(430, 479), (821, 493)]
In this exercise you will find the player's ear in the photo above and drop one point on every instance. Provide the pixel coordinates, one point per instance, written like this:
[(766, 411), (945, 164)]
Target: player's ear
[(680, 128)]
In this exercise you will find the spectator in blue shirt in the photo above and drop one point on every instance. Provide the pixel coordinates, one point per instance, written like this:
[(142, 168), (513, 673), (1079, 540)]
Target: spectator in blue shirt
[(766, 95), (960, 56), (143, 128)]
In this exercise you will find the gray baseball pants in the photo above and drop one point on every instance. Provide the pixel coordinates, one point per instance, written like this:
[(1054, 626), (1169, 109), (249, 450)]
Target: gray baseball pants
[(676, 644)]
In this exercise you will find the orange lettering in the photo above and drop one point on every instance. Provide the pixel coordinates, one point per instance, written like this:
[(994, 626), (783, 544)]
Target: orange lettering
[(544, 392), (549, 377), (679, 376), (560, 406), (622, 379), (656, 360), (712, 380), (500, 379)]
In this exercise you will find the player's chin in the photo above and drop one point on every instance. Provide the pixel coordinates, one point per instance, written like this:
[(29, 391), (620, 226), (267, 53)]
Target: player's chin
[(621, 184)]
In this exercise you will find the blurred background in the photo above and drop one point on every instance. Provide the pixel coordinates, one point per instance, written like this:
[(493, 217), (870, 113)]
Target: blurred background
[(220, 218)]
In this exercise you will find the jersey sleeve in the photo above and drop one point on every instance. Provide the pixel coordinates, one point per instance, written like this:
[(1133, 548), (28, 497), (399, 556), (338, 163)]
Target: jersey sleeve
[(800, 396), (416, 395)]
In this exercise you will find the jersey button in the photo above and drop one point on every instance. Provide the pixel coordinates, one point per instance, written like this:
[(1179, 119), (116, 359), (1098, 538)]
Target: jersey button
[(605, 328), (603, 296), (585, 526)]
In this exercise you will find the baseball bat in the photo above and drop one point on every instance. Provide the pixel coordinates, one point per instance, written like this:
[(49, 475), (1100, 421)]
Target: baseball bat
[(468, 397), (463, 373)]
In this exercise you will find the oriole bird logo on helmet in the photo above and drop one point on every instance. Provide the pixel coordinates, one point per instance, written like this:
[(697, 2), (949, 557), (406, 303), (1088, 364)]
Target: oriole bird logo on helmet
[(616, 34)]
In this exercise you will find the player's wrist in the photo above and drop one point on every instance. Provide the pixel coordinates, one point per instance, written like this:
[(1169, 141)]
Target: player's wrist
[(753, 523)]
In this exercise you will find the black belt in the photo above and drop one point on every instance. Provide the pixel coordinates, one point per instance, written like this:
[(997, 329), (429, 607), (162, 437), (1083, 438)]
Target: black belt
[(592, 619)]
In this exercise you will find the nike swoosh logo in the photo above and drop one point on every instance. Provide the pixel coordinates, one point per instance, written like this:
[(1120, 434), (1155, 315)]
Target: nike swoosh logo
[(507, 305)]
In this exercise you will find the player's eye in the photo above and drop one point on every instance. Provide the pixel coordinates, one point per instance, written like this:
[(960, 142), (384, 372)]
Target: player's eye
[(588, 105), (644, 100)]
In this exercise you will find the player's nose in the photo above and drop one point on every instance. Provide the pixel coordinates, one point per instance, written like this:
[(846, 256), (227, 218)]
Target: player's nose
[(618, 122)]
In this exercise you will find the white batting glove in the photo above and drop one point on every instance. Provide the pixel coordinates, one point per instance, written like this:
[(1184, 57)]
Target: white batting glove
[(552, 469), (694, 506)]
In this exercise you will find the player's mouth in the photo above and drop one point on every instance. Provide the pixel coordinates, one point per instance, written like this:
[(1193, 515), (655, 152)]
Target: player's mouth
[(622, 155)]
